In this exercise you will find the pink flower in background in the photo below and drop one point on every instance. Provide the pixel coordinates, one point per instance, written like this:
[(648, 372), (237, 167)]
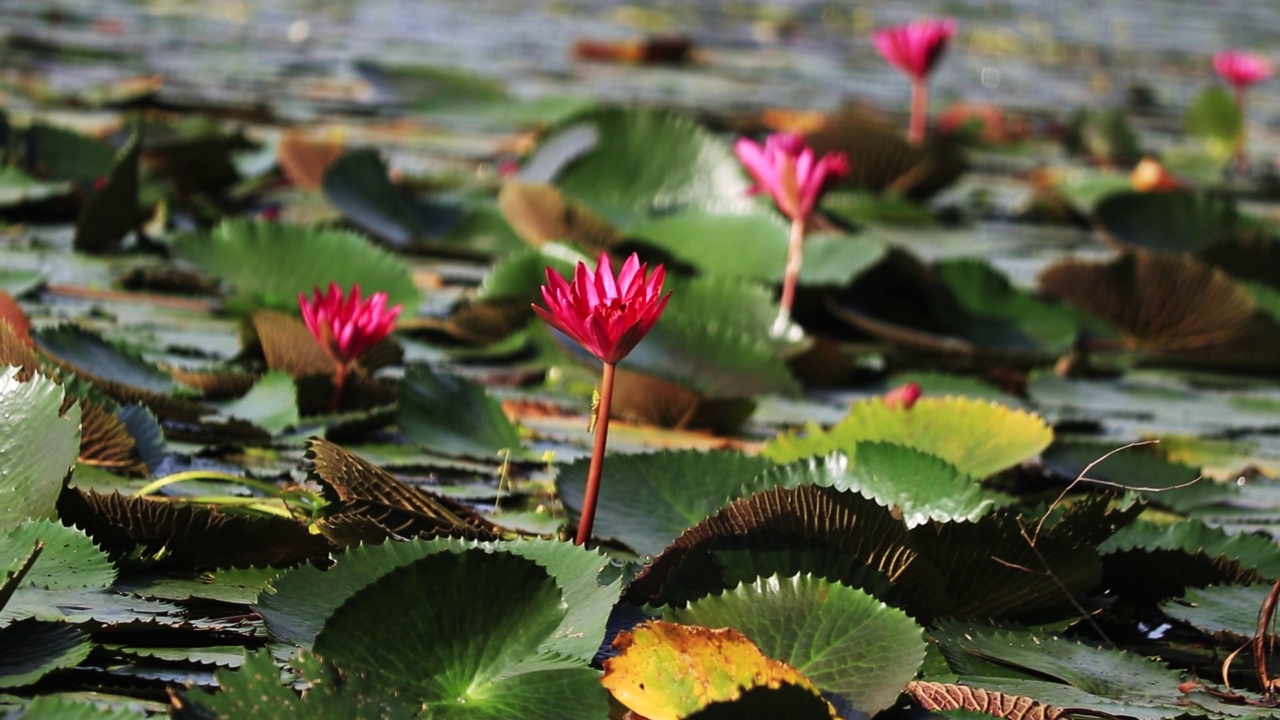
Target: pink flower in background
[(785, 168), (915, 47), (1241, 69), (347, 326), (903, 397), (607, 316)]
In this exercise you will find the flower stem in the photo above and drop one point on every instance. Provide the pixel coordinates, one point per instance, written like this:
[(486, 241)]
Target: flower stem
[(1242, 163), (919, 110), (597, 457), (795, 250), (339, 380)]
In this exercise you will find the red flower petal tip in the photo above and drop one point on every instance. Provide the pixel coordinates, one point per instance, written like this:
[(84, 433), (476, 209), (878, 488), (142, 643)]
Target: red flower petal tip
[(607, 315), (346, 326), (903, 397), (785, 167), (1242, 69), (915, 47)]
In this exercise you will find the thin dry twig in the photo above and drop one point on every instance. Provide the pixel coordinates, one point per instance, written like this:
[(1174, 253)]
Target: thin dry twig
[(1081, 478)]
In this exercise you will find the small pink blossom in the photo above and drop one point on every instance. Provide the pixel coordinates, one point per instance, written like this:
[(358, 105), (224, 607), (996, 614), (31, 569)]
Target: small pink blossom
[(785, 167), (1242, 69), (903, 397), (915, 47), (607, 316), (346, 327)]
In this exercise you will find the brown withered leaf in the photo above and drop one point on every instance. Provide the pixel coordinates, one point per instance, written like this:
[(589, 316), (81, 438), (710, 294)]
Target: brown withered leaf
[(213, 384), (181, 535), (947, 696), (881, 160), (643, 398), (105, 442), (1164, 302), (371, 498), (541, 214), (287, 344), (304, 158), (16, 350), (848, 524)]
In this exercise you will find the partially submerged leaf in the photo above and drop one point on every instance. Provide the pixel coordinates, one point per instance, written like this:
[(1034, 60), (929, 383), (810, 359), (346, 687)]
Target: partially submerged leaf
[(30, 650), (450, 414)]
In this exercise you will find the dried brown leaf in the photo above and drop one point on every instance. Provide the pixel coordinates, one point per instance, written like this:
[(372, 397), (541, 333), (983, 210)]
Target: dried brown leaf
[(947, 696)]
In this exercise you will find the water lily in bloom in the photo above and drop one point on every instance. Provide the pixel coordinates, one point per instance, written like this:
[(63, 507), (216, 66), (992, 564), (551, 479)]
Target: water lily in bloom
[(607, 315), (915, 48), (1241, 69), (604, 314), (787, 169), (346, 326)]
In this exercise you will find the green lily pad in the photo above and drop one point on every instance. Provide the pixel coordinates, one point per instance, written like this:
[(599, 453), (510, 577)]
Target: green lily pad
[(56, 707), (62, 154), (1095, 678), (754, 246), (272, 403), (89, 352), (1175, 221), (630, 162), (268, 264), (920, 486), (864, 208), (1085, 188), (112, 212), (1154, 477), (17, 187), (299, 602), (463, 658), (1248, 554), (30, 650), (647, 500), (450, 414), (980, 438), (38, 448), (69, 560), (358, 184), (1231, 609), (844, 640)]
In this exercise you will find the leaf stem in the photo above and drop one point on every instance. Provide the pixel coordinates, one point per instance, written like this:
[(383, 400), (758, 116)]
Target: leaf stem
[(1242, 162), (795, 258), (339, 380), (186, 475), (597, 457), (919, 110)]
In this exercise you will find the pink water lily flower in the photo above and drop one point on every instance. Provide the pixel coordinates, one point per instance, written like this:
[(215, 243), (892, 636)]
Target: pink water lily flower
[(785, 168), (347, 326), (915, 47), (903, 397), (607, 316), (1241, 69)]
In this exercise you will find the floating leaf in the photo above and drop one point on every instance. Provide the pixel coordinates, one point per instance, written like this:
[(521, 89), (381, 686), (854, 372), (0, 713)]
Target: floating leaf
[(844, 640), (1175, 221), (183, 535), (648, 499), (69, 560), (271, 404), (62, 154), (1231, 609), (978, 437), (37, 449), (463, 658), (304, 159), (112, 212), (452, 415), (1163, 302), (920, 486), (105, 441), (270, 263), (375, 500), (882, 161), (666, 671), (17, 187), (944, 697), (1138, 557), (540, 214), (635, 162), (358, 184), (30, 650)]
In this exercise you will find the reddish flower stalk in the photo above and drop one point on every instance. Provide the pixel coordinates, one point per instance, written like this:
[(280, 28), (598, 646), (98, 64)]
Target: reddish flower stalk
[(786, 168), (346, 327), (607, 316), (1240, 70), (915, 48)]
